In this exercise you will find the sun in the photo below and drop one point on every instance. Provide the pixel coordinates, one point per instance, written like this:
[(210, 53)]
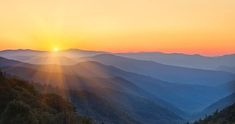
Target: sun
[(55, 49)]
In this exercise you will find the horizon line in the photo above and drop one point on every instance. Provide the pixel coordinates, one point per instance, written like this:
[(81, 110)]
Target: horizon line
[(124, 52)]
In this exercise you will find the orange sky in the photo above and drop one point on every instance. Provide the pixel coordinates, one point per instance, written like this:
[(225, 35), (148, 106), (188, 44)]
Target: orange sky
[(189, 26)]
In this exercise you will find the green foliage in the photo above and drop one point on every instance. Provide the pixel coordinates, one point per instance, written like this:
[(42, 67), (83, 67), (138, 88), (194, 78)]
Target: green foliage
[(22, 104), (17, 112)]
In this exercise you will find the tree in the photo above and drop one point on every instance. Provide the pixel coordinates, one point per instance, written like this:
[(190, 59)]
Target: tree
[(17, 112)]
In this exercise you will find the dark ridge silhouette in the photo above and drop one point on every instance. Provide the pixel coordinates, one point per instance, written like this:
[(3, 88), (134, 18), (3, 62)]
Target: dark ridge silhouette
[(225, 116), (21, 103)]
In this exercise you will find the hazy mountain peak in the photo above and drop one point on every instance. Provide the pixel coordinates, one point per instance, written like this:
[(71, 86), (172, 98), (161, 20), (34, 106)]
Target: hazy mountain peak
[(22, 50)]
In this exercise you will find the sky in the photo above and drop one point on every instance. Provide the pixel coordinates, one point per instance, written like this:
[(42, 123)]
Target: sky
[(184, 26)]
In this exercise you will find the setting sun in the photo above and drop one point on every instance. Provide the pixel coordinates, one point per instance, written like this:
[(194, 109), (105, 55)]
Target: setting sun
[(55, 49)]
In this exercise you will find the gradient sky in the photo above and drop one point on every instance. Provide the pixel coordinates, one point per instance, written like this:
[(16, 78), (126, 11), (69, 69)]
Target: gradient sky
[(189, 26)]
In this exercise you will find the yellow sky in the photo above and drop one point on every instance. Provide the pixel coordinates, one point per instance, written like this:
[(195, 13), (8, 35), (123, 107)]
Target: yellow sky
[(190, 26)]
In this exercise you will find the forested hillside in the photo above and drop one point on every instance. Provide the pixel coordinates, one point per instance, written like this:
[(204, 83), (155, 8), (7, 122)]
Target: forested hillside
[(226, 116), (21, 103)]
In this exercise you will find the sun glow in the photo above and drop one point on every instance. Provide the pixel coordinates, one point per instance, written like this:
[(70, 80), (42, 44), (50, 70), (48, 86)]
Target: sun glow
[(207, 27), (55, 49)]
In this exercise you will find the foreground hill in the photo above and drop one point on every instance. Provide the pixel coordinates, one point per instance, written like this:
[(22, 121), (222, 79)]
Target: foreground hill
[(225, 116), (219, 105), (21, 103)]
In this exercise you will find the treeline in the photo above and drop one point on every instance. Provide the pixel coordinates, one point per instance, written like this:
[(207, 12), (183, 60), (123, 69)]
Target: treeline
[(226, 116), (20, 103)]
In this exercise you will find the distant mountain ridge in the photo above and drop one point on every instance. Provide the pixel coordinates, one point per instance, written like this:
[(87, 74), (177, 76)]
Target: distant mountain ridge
[(65, 57), (148, 68), (184, 60), (164, 72), (227, 69), (176, 59)]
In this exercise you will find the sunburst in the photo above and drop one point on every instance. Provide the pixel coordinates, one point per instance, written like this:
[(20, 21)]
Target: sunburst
[(55, 49)]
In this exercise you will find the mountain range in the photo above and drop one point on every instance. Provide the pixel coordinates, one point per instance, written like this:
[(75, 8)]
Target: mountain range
[(133, 90), (119, 93), (184, 60)]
